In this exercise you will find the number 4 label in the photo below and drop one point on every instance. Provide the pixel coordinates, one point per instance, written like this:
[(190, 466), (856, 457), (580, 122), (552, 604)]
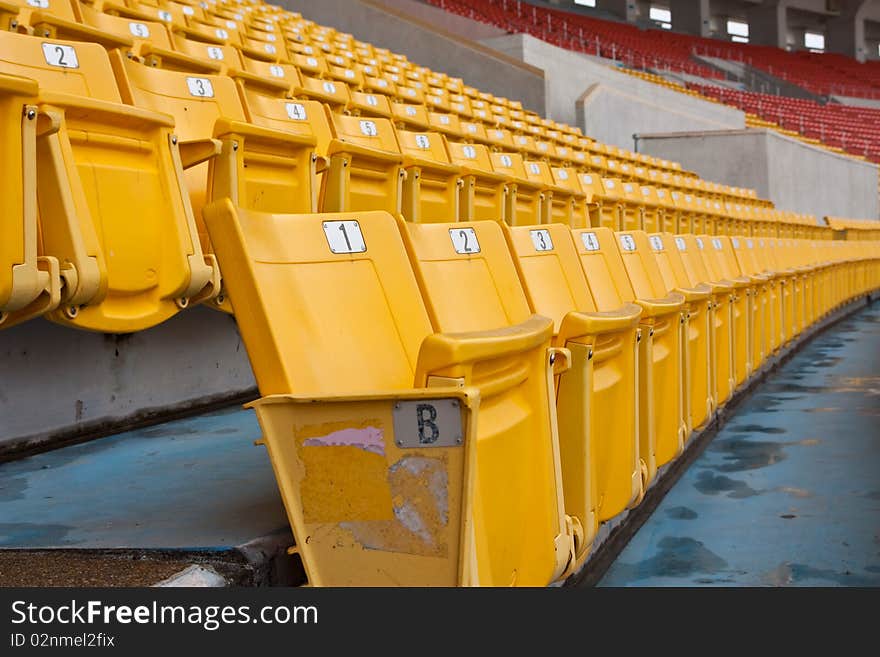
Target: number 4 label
[(344, 237), (464, 240)]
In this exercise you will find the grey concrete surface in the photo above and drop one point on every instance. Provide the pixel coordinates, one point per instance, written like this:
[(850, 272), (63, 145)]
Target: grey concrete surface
[(57, 381), (794, 175), (428, 44), (610, 105)]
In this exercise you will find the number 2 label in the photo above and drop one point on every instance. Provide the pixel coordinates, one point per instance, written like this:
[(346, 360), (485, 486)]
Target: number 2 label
[(57, 55), (464, 240)]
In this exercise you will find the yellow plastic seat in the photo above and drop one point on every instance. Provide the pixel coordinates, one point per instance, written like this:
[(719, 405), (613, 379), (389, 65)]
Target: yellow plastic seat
[(432, 187), (662, 421), (597, 399), (470, 284), (485, 193), (690, 249), (632, 215), (573, 201), (367, 103), (608, 197), (527, 202), (125, 266), (712, 251), (333, 93), (698, 345), (762, 327), (410, 116), (365, 170), (30, 284)]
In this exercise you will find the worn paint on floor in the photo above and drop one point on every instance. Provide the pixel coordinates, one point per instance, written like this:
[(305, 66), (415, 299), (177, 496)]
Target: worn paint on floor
[(193, 483), (788, 492)]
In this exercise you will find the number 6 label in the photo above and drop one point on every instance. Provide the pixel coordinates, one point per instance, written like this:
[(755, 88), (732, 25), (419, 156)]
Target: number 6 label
[(344, 237)]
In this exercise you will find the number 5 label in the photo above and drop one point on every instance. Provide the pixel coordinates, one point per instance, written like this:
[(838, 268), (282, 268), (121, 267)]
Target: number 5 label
[(344, 237)]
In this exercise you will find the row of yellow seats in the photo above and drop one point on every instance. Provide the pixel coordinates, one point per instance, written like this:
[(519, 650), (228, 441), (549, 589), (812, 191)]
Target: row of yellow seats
[(464, 403)]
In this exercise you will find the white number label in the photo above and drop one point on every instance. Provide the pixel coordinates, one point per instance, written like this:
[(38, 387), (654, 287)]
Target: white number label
[(296, 111), (189, 11), (464, 240), (541, 240), (735, 242), (469, 152), (309, 50), (471, 128), (627, 243), (372, 101), (368, 128), (201, 87), (329, 87), (443, 119), (591, 243), (39, 4), (410, 110), (139, 30), (628, 188), (422, 141), (382, 83), (700, 244), (165, 16), (63, 56), (750, 244), (215, 53), (562, 174), (311, 61), (344, 237), (587, 180), (231, 25), (348, 73), (716, 243), (681, 244), (534, 168), (221, 33), (270, 49), (276, 71), (506, 161), (656, 242)]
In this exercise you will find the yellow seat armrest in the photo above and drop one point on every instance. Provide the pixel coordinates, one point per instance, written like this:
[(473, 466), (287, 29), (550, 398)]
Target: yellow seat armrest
[(196, 151), (45, 25), (178, 59), (671, 303), (225, 128), (467, 395), (577, 324), (13, 84)]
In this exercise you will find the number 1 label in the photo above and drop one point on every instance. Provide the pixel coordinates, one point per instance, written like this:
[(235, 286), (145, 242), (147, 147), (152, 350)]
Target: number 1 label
[(344, 237)]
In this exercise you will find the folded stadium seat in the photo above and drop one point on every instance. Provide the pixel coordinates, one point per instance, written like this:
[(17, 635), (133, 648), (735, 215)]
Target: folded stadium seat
[(669, 215), (776, 286), (721, 264), (410, 116), (609, 201), (527, 202), (569, 179), (333, 93), (764, 295), (662, 421), (259, 168), (485, 192), (563, 203), (461, 105), (410, 94), (690, 249), (46, 23), (652, 209), (124, 267), (367, 103), (525, 144), (698, 355), (611, 289), (447, 124), (273, 79), (474, 132), (471, 286), (702, 222), (500, 139), (30, 284), (594, 190), (788, 290), (598, 449), (718, 216), (598, 164), (685, 210), (397, 440), (431, 189), (787, 254), (632, 216)]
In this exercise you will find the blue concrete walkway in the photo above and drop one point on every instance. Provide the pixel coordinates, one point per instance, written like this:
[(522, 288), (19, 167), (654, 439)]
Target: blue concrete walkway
[(195, 483), (788, 492)]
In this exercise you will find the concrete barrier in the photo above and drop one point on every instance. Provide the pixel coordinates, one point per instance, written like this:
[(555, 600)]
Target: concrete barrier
[(794, 175), (607, 104)]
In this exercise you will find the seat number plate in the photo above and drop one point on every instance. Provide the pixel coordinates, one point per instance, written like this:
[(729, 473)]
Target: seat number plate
[(464, 240), (58, 55), (427, 423), (344, 237), (541, 239)]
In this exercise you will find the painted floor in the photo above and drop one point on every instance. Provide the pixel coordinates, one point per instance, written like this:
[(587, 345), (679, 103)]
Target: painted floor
[(788, 492), (193, 483)]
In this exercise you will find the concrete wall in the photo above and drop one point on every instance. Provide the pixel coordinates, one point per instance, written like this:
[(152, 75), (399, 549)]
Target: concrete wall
[(427, 44), (57, 382), (613, 105), (794, 175)]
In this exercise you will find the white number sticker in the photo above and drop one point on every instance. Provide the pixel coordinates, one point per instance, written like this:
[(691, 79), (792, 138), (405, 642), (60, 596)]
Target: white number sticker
[(656, 242), (541, 240), (609, 184), (471, 127), (422, 141), (39, 4), (410, 110), (139, 30), (188, 11), (750, 244), (270, 49), (309, 50), (464, 240), (681, 244), (276, 71), (231, 25), (627, 243), (311, 61), (329, 87), (735, 242), (628, 188), (542, 146), (201, 87), (469, 152), (296, 111), (661, 193), (700, 243), (562, 174), (348, 73), (717, 244), (221, 33), (534, 168), (369, 128), (215, 53), (344, 237), (591, 242), (382, 83), (165, 16), (506, 161), (587, 179), (57, 55), (562, 151), (372, 101)]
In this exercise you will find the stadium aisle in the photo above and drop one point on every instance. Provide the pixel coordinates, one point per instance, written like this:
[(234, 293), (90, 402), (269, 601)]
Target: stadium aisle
[(786, 494)]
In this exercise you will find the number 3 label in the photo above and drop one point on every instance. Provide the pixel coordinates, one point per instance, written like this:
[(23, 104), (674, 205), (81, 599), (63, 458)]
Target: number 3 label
[(344, 237), (201, 87), (541, 240), (464, 240)]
